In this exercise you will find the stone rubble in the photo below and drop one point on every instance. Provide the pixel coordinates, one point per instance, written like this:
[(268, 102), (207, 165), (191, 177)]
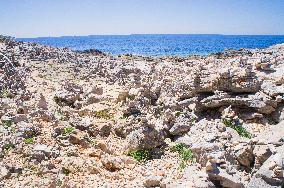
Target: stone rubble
[(72, 119)]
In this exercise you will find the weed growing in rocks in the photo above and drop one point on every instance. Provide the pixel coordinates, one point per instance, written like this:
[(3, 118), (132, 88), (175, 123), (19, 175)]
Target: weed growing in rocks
[(141, 155), (131, 97), (5, 93), (124, 116), (7, 123), (68, 131), (185, 154), (178, 113), (241, 130), (8, 146), (29, 140), (126, 98), (65, 171), (59, 183), (103, 114), (93, 141)]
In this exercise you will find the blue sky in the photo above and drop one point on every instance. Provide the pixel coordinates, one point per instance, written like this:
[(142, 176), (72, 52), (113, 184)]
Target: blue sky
[(33, 18)]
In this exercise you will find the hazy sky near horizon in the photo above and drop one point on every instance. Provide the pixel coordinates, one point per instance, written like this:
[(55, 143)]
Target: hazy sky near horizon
[(33, 18)]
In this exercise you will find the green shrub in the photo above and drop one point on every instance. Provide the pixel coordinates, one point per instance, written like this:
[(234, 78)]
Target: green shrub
[(66, 171), (240, 130), (131, 97), (8, 146), (103, 114), (141, 155), (185, 154), (5, 93), (7, 123), (68, 131), (178, 113), (29, 140), (124, 116)]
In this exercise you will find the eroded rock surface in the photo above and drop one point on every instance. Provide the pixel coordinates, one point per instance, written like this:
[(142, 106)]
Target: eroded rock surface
[(74, 119)]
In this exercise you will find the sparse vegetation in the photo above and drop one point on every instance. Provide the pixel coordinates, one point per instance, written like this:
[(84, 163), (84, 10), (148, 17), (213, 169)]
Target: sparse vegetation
[(103, 114), (7, 123), (8, 146), (124, 116), (93, 141), (29, 140), (65, 171), (126, 98), (241, 130), (185, 154), (58, 182), (141, 155), (178, 113), (68, 131), (131, 97), (37, 170), (5, 93)]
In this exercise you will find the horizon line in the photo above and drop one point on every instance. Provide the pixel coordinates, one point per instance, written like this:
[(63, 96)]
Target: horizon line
[(59, 36)]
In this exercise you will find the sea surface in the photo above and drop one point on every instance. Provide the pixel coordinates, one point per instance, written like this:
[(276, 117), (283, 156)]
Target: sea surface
[(160, 45)]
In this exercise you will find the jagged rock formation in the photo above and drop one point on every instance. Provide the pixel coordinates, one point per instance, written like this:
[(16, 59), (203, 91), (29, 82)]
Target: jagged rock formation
[(82, 118)]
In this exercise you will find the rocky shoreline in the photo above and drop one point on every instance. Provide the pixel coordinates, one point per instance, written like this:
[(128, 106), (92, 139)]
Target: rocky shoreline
[(88, 119)]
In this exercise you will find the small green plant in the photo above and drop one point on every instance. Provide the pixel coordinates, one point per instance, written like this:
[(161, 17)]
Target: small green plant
[(68, 131), (8, 146), (93, 141), (240, 129), (58, 182), (131, 97), (141, 155), (104, 114), (7, 123), (185, 154), (124, 116), (29, 140), (66, 171), (13, 130), (5, 93), (193, 119), (39, 171), (178, 113)]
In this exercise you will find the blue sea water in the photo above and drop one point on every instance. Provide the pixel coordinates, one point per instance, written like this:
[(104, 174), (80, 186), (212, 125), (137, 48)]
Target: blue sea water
[(160, 45)]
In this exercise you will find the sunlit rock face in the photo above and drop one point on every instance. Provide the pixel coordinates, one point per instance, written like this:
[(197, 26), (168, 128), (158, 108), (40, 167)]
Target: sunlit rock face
[(75, 118)]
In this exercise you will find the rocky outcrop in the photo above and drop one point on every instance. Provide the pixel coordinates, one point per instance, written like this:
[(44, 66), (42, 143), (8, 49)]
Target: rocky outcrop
[(83, 118)]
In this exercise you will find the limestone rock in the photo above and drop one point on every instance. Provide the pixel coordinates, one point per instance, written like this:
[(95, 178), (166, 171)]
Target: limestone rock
[(244, 154), (42, 104), (182, 125), (4, 172), (226, 180), (270, 173), (68, 95), (152, 181), (261, 153), (144, 138)]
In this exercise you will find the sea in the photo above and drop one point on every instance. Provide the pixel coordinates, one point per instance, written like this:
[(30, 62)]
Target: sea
[(160, 44)]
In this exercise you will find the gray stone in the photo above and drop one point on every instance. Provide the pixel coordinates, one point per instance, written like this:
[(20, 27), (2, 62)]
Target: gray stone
[(144, 138), (244, 154), (152, 181), (182, 125)]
